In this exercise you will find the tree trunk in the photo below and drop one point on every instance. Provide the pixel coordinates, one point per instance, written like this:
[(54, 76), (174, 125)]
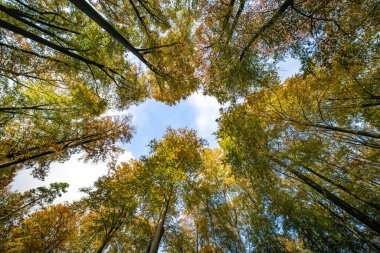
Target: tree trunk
[(11, 109), (103, 245), (48, 152), (345, 130), (342, 187), (95, 16), (235, 21), (357, 214), (309, 238), (36, 38), (358, 234), (16, 15), (34, 53), (280, 11), (239, 241), (234, 225), (155, 245)]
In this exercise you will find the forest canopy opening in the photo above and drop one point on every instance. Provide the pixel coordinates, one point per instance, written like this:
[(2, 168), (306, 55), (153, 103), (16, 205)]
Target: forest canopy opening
[(296, 168)]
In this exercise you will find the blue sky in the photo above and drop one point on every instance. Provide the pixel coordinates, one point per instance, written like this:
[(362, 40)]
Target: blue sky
[(150, 119)]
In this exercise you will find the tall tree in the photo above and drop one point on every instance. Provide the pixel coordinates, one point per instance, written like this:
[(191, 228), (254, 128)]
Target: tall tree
[(172, 161), (47, 230), (240, 42), (258, 147), (95, 138), (298, 164), (15, 206), (109, 207)]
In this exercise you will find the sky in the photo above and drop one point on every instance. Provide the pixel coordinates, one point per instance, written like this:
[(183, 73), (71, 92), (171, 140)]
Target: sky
[(150, 120)]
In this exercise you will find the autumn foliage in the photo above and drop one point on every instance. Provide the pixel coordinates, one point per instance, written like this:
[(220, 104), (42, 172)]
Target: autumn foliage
[(297, 167)]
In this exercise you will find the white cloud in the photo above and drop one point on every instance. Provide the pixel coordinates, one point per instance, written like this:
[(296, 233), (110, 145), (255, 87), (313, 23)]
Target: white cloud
[(207, 111), (114, 112), (125, 157), (75, 172)]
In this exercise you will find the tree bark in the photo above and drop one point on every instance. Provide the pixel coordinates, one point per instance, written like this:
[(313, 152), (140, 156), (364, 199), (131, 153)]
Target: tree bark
[(281, 10), (34, 53), (103, 245), (342, 187), (86, 8), (66, 51), (239, 241), (14, 14), (346, 130), (48, 152), (155, 245), (357, 214), (358, 234), (231, 29), (11, 109)]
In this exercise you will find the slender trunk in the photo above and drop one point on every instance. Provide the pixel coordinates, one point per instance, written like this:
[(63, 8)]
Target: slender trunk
[(233, 228), (213, 234), (36, 38), (345, 130), (67, 142), (357, 177), (27, 158), (357, 214), (366, 162), (227, 18), (334, 128), (239, 241), (19, 108), (157, 18), (196, 241), (281, 10), (31, 203), (310, 238), (358, 234), (233, 222), (34, 53), (342, 187), (116, 225), (231, 30), (139, 17), (14, 14), (103, 245), (41, 21), (45, 153), (155, 245), (86, 8), (107, 238)]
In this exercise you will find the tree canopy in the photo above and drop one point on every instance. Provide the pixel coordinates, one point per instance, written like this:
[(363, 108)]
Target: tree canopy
[(297, 168)]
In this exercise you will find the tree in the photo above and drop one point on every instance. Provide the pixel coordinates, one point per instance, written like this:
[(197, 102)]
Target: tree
[(211, 201), (131, 207), (172, 161), (96, 138), (298, 165), (15, 206), (65, 64), (240, 42), (48, 102), (262, 156), (109, 208), (95, 50), (47, 230)]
